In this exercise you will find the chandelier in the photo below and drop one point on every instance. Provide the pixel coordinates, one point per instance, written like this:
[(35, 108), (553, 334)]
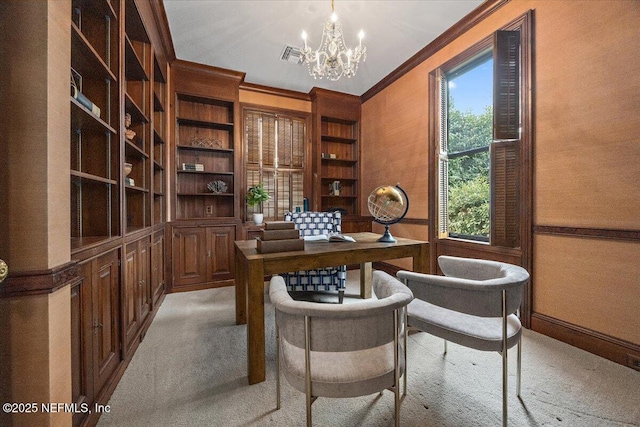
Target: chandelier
[(332, 59)]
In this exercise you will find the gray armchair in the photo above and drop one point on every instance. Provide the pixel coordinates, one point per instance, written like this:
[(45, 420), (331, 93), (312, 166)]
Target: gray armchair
[(348, 350), (319, 279), (474, 304)]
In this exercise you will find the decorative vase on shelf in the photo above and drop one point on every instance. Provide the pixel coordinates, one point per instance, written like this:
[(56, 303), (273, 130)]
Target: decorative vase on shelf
[(258, 218)]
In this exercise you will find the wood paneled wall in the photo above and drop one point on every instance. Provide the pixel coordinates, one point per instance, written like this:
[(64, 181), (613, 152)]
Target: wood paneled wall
[(273, 100), (586, 154), (594, 283)]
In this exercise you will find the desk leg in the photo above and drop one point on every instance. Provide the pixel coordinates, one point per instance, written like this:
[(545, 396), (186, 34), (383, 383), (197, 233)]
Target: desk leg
[(421, 260), (241, 289), (366, 273), (255, 323)]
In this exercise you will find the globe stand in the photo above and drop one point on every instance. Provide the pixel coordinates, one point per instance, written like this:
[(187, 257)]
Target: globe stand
[(385, 195), (387, 237)]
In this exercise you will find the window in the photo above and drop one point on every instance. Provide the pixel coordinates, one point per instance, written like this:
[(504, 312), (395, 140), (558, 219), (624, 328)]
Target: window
[(469, 103), (479, 143), (275, 157)]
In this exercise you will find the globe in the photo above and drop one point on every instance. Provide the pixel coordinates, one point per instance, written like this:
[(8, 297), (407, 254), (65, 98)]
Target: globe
[(388, 205)]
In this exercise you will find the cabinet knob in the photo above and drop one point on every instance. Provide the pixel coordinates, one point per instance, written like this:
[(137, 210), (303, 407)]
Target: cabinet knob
[(4, 270)]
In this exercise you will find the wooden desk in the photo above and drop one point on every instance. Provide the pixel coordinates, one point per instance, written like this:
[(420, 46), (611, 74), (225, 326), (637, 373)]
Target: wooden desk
[(251, 267)]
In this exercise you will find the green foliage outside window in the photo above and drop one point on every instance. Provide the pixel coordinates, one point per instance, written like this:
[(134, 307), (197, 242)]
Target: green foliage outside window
[(469, 191)]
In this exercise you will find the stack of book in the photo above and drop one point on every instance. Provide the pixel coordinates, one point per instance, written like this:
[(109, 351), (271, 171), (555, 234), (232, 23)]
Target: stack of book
[(193, 167), (279, 236)]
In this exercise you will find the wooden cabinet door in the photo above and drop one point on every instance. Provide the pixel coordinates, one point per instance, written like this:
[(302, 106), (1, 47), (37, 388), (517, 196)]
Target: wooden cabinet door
[(157, 268), (189, 256), (144, 279), (81, 385), (105, 291), (131, 294), (220, 252)]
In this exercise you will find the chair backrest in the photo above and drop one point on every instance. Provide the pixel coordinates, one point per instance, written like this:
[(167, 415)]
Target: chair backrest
[(471, 286), (341, 327), (314, 223)]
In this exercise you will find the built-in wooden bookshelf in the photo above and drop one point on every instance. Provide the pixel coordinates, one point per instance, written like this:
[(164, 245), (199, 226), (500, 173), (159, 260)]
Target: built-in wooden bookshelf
[(205, 153), (336, 137), (339, 164), (138, 104), (118, 102), (159, 142), (95, 147)]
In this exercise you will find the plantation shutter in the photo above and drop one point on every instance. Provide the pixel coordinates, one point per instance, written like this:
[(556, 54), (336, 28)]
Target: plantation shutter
[(269, 181), (268, 140), (506, 146), (275, 157), (297, 151), (505, 196), (252, 124), (443, 160), (297, 189), (506, 85), (284, 142)]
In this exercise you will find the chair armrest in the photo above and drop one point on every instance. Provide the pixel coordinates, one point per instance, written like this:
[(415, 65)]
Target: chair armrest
[(477, 297), (490, 285)]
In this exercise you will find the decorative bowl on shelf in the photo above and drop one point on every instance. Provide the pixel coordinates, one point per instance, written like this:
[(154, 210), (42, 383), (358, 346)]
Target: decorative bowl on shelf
[(217, 187), (127, 169)]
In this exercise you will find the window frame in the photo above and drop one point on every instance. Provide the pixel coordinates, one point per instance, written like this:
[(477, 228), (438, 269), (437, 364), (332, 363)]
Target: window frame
[(443, 245)]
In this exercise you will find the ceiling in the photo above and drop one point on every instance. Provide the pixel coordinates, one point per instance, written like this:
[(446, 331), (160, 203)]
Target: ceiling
[(249, 35)]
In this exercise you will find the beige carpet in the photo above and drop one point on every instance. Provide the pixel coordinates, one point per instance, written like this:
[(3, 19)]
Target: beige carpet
[(190, 370)]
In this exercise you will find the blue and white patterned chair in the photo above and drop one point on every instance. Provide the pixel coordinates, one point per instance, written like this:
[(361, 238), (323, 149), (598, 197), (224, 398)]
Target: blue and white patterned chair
[(320, 279)]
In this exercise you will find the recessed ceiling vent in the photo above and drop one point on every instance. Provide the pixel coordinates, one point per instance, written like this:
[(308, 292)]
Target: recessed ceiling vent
[(291, 54)]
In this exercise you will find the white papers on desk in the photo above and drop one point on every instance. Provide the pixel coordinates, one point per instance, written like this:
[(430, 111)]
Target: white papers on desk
[(329, 238)]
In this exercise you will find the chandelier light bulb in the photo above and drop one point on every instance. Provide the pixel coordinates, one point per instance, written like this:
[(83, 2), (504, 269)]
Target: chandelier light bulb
[(334, 17)]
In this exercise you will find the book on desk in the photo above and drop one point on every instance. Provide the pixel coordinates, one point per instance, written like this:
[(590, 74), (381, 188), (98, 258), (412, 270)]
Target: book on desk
[(336, 237)]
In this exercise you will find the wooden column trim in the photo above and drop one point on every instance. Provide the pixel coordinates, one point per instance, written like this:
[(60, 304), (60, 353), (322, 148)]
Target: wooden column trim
[(38, 282)]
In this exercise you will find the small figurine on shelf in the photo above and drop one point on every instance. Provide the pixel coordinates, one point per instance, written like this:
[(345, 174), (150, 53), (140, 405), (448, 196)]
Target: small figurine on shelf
[(334, 188), (128, 133)]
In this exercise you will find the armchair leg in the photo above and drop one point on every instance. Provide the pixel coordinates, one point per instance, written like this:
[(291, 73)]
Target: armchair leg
[(504, 359), (518, 378), (340, 296), (406, 350), (396, 367), (277, 367), (307, 363), (445, 347)]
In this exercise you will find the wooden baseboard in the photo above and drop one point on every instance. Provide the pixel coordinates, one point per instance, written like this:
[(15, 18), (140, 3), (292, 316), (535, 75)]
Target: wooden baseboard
[(201, 286), (614, 349)]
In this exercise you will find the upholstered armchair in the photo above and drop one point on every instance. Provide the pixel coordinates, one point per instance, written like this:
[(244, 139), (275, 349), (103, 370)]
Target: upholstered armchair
[(474, 304), (320, 279), (347, 350)]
